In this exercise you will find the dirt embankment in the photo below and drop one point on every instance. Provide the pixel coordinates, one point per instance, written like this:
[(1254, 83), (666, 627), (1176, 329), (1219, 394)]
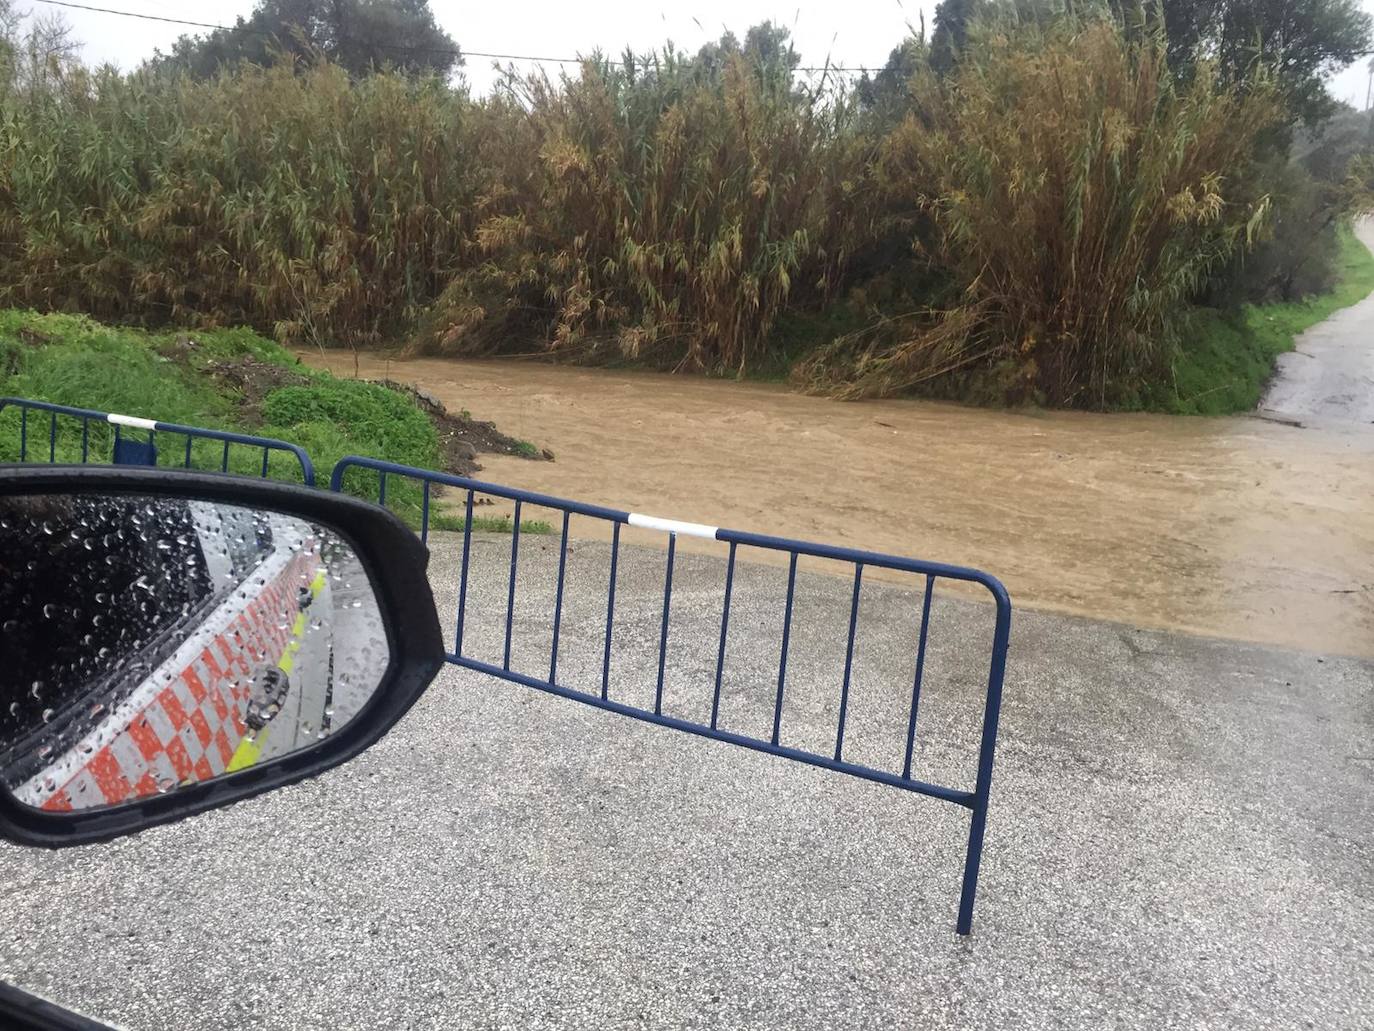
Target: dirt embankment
[(461, 437)]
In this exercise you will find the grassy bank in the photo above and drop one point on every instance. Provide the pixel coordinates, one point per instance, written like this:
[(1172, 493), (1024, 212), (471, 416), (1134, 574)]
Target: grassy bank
[(217, 379), (1228, 357)]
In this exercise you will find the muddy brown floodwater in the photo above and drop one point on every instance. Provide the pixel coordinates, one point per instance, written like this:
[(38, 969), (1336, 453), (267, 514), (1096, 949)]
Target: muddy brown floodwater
[(1233, 527)]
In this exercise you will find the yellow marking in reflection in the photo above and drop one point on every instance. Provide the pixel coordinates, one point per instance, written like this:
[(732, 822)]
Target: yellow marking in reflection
[(250, 747), (245, 755)]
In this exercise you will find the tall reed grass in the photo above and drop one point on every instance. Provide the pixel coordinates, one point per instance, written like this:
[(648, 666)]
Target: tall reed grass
[(1050, 207), (1080, 197), (653, 209), (297, 201)]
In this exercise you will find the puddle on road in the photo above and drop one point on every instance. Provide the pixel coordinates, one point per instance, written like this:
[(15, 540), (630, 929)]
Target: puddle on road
[(1232, 527)]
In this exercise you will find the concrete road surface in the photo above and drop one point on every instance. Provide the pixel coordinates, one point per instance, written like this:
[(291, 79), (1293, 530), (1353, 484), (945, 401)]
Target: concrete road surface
[(1181, 836), (1328, 377)]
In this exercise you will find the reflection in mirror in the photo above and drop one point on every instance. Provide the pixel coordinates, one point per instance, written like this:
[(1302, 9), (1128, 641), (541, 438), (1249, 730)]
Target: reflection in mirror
[(151, 643)]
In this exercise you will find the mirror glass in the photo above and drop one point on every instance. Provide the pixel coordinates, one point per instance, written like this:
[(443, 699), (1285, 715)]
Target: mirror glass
[(152, 643)]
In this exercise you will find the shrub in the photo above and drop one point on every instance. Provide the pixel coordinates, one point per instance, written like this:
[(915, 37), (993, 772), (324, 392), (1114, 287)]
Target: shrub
[(658, 212), (320, 209), (1080, 196)]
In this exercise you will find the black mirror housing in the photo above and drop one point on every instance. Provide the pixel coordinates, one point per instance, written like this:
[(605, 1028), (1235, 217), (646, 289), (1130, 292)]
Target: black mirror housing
[(392, 558)]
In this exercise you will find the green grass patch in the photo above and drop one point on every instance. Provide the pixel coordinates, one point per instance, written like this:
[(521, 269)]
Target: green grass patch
[(230, 380), (1228, 357), (488, 524)]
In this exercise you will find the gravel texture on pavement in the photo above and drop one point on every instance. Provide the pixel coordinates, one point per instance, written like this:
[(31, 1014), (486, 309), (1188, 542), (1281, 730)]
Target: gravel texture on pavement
[(1181, 836)]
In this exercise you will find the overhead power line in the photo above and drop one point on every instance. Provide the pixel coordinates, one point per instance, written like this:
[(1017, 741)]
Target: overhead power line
[(456, 52), (132, 14)]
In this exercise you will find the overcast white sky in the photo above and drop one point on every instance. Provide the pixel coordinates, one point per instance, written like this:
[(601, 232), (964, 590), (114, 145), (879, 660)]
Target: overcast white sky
[(851, 32)]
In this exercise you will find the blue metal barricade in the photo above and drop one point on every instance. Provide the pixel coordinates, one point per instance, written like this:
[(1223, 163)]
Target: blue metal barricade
[(39, 442), (928, 573)]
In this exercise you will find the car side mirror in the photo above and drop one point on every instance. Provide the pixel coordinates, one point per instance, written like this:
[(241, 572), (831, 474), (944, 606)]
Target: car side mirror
[(172, 642)]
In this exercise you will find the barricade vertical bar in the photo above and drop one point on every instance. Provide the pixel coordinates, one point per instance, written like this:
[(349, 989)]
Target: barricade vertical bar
[(558, 601), (424, 514), (264, 463), (992, 709), (610, 615), (189, 441), (848, 658), (463, 578), (52, 437), (786, 636), (85, 440), (23, 434), (663, 632), (916, 682), (975, 800), (381, 487), (510, 595), (724, 629), (224, 464)]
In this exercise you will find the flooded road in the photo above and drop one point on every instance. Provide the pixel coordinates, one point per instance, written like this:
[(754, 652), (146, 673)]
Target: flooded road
[(1234, 527), (1328, 377)]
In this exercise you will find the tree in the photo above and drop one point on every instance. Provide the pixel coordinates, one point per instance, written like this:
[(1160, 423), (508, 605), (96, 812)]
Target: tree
[(952, 19), (1300, 44), (33, 59), (886, 92), (358, 35), (767, 49)]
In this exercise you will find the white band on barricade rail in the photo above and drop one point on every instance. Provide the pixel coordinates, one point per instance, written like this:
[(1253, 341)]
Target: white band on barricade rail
[(131, 420), (673, 526)]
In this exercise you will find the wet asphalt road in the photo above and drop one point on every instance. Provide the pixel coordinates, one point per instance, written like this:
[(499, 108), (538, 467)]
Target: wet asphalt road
[(1181, 836), (1328, 377)]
